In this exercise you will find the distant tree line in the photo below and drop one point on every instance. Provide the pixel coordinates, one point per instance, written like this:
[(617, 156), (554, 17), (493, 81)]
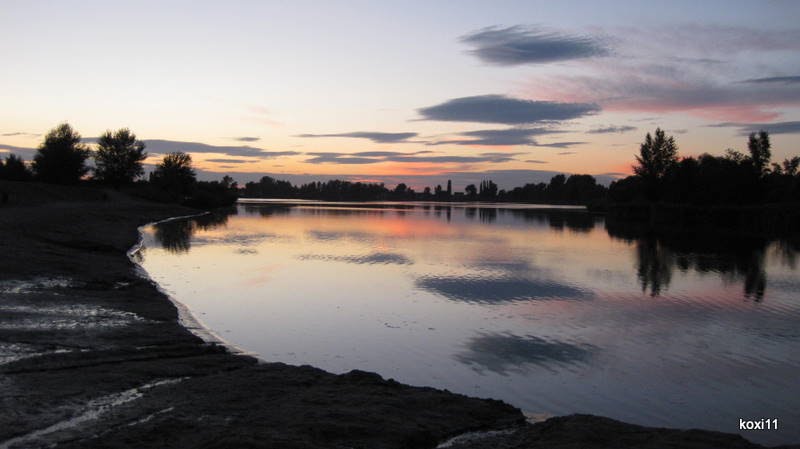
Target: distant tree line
[(118, 162), (574, 189), (732, 179), (660, 176)]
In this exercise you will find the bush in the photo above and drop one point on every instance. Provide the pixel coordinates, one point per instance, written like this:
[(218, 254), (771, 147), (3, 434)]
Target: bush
[(14, 169)]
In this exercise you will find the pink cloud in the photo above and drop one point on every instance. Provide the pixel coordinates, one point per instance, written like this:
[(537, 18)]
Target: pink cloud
[(620, 91)]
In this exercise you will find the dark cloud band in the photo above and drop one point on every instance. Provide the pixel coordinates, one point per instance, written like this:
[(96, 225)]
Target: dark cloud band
[(518, 45), (506, 110), (775, 79), (160, 146), (612, 130), (772, 128), (377, 137), (491, 137), (377, 157)]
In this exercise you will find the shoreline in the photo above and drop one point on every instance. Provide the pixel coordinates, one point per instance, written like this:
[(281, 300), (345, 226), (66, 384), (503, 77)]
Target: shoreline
[(186, 318), (104, 350)]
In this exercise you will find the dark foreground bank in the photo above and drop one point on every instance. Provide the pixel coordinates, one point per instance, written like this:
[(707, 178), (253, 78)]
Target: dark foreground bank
[(92, 355)]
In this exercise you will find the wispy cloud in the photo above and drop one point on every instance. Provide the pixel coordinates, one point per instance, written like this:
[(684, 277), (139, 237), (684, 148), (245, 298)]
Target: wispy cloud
[(506, 110), (19, 133), (772, 128), (230, 161), (690, 69), (535, 161), (658, 89), (170, 146), (340, 158), (722, 40), (247, 139), (775, 79), (612, 129), (518, 45), (261, 115), (560, 144), (377, 137), (500, 137), (376, 157), (566, 153)]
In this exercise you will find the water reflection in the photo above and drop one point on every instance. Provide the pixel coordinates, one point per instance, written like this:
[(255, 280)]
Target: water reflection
[(654, 265), (383, 258), (735, 258), (657, 254), (501, 301), (175, 236), (573, 220), (504, 352), (339, 235), (267, 210), (488, 290)]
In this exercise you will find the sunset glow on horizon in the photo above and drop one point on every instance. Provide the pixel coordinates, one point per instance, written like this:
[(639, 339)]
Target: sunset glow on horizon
[(420, 93)]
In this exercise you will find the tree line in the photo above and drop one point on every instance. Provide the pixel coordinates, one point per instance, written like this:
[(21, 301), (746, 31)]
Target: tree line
[(660, 176), (562, 189), (734, 178), (118, 162)]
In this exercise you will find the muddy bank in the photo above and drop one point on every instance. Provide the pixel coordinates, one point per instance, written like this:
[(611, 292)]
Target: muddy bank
[(92, 355)]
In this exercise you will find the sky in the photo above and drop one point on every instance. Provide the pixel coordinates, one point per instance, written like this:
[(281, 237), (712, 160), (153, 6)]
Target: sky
[(414, 91)]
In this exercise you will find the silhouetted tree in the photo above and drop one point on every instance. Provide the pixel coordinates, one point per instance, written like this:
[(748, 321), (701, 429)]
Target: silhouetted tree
[(657, 154), (229, 183), (61, 158), (119, 156), (174, 173), (487, 190), (471, 191), (14, 169), (759, 147), (790, 166)]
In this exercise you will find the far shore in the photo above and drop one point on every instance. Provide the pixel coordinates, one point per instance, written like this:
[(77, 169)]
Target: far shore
[(94, 355)]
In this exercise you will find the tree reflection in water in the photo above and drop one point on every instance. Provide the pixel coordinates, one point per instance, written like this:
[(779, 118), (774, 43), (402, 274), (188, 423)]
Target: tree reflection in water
[(175, 236), (738, 258)]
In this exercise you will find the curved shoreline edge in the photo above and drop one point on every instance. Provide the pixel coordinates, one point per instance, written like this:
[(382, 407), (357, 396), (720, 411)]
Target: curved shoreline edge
[(160, 385), (186, 317)]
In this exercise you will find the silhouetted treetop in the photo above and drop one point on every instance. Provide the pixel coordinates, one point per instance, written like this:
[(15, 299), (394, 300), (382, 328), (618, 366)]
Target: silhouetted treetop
[(174, 173), (14, 169), (732, 179), (119, 156), (657, 154), (61, 158), (760, 151)]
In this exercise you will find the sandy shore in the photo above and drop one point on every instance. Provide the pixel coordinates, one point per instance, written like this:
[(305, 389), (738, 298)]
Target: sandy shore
[(93, 355)]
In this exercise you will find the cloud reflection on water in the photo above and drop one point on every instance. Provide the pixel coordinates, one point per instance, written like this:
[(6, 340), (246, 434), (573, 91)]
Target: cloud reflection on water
[(381, 258), (505, 352), (485, 290)]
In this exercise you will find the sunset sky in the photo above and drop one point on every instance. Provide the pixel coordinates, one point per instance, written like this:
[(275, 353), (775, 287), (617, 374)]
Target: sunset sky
[(419, 91)]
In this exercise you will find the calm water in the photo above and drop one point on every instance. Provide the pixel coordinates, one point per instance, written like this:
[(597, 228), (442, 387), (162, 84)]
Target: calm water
[(553, 311)]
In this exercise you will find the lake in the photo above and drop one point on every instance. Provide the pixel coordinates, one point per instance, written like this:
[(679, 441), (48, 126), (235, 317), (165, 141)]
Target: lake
[(553, 310)]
